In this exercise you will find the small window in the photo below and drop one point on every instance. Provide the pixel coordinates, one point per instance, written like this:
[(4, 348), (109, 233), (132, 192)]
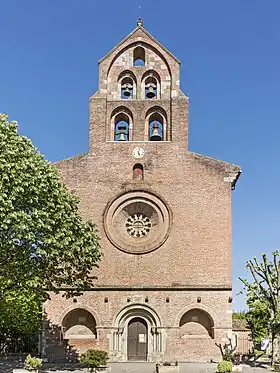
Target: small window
[(138, 172), (139, 56)]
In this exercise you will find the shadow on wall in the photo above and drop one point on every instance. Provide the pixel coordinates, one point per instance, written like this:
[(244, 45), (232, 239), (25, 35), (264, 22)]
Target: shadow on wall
[(54, 347), (60, 355)]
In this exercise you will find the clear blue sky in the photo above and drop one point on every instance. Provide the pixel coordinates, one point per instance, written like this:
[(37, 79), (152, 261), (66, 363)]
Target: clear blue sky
[(230, 57)]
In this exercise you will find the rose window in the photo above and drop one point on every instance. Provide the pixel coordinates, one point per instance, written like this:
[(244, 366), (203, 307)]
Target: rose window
[(138, 225), (137, 222)]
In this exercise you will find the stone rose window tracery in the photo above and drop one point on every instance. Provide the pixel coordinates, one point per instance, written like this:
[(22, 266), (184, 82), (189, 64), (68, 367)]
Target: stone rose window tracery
[(138, 225)]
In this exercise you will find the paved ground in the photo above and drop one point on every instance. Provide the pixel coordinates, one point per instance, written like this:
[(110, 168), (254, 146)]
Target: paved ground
[(7, 367)]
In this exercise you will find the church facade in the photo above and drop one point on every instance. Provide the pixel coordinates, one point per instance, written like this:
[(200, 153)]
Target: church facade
[(164, 286)]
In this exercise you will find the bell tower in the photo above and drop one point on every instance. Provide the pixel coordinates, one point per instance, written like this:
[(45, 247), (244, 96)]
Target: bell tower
[(139, 97)]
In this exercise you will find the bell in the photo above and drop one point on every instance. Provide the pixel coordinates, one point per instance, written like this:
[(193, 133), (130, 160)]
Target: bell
[(126, 92), (122, 134), (151, 92), (122, 137), (155, 136)]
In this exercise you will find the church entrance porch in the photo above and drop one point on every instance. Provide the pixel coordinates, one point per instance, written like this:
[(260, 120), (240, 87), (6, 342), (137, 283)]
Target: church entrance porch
[(136, 335)]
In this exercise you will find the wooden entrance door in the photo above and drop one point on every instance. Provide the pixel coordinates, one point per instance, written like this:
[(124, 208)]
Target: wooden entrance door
[(137, 339)]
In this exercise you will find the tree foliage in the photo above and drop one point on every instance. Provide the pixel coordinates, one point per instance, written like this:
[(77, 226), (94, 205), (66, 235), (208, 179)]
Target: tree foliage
[(239, 315), (20, 320), (263, 299), (257, 318), (44, 243), (20, 313)]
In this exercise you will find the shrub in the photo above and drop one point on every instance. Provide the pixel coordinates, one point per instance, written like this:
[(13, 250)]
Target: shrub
[(32, 363), (224, 366), (94, 358), (166, 363)]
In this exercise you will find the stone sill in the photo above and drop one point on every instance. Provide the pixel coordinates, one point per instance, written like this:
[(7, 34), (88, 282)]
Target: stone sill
[(196, 337), (76, 337)]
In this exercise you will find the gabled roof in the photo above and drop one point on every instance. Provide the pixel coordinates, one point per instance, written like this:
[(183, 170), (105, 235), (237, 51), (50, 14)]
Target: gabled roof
[(139, 27)]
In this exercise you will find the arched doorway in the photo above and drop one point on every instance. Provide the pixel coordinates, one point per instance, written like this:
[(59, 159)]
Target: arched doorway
[(137, 334), (137, 339)]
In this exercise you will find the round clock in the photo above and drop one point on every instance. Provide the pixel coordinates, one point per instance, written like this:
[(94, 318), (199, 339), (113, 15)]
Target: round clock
[(138, 152)]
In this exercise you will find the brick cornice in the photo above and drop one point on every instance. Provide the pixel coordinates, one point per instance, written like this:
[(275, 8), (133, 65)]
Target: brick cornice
[(156, 288)]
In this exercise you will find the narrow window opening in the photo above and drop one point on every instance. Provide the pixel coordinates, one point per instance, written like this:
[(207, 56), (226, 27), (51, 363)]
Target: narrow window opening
[(139, 56), (138, 172), (156, 127), (121, 127)]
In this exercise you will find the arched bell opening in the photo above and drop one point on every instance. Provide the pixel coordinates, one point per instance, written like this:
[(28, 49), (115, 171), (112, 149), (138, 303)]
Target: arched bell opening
[(121, 127), (121, 124), (150, 86), (156, 124), (197, 322), (126, 88), (127, 85), (156, 127), (138, 172), (139, 56), (79, 324)]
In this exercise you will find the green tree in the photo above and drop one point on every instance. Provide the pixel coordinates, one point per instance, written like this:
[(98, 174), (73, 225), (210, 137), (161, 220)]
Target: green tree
[(44, 243), (257, 318), (20, 312), (263, 298), (20, 318), (238, 315)]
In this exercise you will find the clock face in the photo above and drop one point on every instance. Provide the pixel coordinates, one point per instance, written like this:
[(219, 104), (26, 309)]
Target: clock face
[(138, 152)]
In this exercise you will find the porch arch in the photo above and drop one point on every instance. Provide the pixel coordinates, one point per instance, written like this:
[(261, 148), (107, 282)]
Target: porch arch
[(137, 310), (201, 307), (79, 324), (196, 322), (79, 306)]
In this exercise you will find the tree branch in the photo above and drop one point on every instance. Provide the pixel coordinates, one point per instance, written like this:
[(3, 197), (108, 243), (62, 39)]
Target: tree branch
[(254, 274), (269, 282)]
